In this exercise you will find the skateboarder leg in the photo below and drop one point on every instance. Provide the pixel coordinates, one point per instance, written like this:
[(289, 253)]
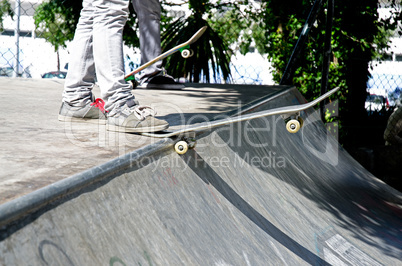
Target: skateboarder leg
[(98, 52), (149, 16)]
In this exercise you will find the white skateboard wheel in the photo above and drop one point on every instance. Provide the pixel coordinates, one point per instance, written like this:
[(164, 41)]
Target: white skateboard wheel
[(186, 53), (181, 147), (293, 125)]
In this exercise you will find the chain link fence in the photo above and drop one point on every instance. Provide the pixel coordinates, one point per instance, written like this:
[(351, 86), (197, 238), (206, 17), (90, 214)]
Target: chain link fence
[(385, 83), (24, 54)]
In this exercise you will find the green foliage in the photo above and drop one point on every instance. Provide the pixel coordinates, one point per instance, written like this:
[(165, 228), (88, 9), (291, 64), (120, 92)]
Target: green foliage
[(284, 25), (56, 21), (130, 37), (210, 51), (388, 27), (5, 9), (283, 30), (238, 25)]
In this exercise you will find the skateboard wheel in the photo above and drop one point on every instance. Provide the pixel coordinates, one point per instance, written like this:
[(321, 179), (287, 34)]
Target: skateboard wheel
[(181, 147), (293, 125), (186, 53), (191, 52)]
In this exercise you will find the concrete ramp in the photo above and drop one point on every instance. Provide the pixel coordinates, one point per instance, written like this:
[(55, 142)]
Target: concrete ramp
[(248, 194)]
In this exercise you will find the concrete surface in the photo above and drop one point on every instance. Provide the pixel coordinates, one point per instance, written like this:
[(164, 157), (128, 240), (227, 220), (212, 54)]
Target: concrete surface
[(248, 194), (37, 150)]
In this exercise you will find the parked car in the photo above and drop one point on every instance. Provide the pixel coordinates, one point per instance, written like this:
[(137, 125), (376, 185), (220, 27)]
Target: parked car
[(9, 72), (376, 103), (6, 71), (55, 75)]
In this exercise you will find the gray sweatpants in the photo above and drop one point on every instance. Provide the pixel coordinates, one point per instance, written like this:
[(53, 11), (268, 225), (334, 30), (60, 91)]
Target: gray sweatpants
[(149, 16), (97, 51)]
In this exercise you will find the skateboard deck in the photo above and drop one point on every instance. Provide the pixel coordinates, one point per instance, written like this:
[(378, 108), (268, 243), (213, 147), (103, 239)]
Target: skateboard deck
[(184, 48), (291, 115)]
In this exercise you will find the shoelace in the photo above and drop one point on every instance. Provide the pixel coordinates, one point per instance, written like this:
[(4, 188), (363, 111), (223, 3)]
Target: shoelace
[(99, 103), (143, 111)]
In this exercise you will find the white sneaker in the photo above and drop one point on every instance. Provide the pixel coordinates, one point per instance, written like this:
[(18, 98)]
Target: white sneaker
[(135, 119)]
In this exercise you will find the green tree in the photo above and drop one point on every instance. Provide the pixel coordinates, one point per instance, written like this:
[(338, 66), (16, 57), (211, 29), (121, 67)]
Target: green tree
[(57, 20), (357, 37), (5, 9), (211, 52)]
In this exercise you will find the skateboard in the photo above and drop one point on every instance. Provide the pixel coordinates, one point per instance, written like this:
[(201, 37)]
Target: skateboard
[(184, 48), (290, 114)]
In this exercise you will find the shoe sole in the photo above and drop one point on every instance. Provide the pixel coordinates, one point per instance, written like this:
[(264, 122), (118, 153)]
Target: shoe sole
[(135, 130), (63, 118), (161, 86)]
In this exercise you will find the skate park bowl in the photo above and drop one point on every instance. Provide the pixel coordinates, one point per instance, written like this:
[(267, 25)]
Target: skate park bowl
[(250, 193)]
